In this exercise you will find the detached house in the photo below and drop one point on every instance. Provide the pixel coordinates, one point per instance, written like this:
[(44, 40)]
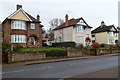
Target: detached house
[(105, 34), (76, 30), (23, 29)]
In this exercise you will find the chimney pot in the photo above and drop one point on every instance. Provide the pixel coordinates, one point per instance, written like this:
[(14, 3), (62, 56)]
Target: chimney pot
[(38, 17), (102, 23), (19, 6)]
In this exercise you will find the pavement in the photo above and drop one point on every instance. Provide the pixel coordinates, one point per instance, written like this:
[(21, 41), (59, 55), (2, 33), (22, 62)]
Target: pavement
[(54, 60)]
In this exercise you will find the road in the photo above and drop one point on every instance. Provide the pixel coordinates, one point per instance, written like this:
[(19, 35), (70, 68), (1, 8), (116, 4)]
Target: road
[(64, 69)]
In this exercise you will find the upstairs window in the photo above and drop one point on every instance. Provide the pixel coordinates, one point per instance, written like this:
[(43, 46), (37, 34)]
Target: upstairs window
[(32, 26), (111, 34), (79, 29), (18, 25), (88, 31)]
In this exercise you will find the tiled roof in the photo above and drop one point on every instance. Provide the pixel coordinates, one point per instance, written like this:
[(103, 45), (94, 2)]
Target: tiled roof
[(72, 22), (103, 28), (32, 18)]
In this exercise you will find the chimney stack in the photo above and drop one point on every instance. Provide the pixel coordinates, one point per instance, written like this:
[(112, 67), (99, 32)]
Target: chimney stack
[(19, 6), (38, 17), (66, 19), (102, 23)]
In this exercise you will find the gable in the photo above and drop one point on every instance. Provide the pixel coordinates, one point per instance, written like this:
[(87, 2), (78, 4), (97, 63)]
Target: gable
[(81, 22), (112, 29), (20, 16)]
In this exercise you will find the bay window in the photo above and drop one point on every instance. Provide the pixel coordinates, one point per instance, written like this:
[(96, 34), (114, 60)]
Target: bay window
[(79, 29), (16, 24), (79, 39), (18, 38)]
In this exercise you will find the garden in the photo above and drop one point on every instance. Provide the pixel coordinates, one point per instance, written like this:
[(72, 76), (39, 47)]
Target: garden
[(57, 50)]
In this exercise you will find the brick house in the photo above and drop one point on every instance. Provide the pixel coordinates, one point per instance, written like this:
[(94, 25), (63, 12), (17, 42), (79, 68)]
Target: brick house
[(23, 29)]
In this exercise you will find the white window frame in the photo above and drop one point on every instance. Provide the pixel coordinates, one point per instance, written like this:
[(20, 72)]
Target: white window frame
[(88, 31), (18, 38), (79, 28), (80, 39), (32, 25), (18, 24)]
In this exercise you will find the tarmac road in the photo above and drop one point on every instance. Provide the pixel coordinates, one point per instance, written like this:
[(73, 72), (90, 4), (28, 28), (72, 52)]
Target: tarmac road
[(64, 69)]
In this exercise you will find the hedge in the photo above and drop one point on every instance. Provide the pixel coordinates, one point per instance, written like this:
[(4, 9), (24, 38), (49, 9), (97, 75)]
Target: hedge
[(64, 44), (56, 53)]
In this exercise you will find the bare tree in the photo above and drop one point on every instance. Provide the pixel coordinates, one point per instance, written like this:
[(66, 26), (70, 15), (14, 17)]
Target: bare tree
[(55, 22)]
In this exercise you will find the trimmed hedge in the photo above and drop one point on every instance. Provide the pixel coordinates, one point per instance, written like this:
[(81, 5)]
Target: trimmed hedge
[(56, 53), (64, 44)]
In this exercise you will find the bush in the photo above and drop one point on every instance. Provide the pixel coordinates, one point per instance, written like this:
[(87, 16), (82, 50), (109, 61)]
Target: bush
[(95, 45), (17, 47), (56, 53), (103, 45), (64, 44), (6, 47)]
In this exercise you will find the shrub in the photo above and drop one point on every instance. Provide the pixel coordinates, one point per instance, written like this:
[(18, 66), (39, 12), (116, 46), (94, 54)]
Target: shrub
[(6, 47), (95, 45), (64, 44), (56, 53), (103, 45), (17, 47)]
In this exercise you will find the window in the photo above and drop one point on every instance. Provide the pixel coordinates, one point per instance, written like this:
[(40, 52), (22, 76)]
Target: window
[(79, 29), (79, 39), (111, 34), (87, 31), (18, 25), (111, 41), (18, 38), (93, 35), (32, 26), (93, 41)]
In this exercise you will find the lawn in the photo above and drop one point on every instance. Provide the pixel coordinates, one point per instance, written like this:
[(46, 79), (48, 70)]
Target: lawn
[(37, 49)]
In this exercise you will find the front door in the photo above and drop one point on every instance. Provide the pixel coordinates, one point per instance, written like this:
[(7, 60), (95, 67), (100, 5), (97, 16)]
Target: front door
[(32, 41)]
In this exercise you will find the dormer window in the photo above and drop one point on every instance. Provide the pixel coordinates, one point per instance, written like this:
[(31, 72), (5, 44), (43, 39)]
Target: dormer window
[(79, 29), (32, 26), (16, 24)]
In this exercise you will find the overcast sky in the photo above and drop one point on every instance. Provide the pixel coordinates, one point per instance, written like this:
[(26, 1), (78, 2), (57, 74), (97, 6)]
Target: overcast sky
[(93, 11)]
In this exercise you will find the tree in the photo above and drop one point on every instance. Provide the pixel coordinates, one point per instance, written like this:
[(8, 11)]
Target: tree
[(55, 22)]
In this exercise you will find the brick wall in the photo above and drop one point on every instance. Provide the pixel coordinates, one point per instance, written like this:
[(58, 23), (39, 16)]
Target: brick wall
[(25, 56)]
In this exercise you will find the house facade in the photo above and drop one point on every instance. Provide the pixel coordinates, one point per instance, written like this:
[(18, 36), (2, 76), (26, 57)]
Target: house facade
[(105, 34), (76, 30), (23, 29)]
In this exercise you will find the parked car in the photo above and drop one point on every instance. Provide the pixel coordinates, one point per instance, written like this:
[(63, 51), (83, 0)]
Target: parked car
[(46, 44)]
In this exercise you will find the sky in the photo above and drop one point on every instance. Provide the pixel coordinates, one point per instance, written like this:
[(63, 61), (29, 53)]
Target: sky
[(92, 11)]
